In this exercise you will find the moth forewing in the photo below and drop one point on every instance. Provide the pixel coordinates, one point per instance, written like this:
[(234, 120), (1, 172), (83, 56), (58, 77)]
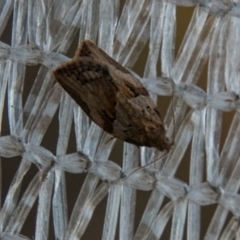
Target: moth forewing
[(112, 97)]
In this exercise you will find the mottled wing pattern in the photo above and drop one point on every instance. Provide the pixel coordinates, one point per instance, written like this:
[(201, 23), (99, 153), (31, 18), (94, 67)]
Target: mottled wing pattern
[(137, 117), (89, 49), (90, 85), (112, 97)]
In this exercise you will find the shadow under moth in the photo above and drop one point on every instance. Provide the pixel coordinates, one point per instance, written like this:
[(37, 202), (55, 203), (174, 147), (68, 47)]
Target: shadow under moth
[(112, 97)]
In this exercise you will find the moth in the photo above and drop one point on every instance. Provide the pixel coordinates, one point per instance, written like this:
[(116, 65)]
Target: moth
[(112, 97)]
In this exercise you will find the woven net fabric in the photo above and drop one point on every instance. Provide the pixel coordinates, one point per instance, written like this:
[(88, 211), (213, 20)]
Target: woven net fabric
[(41, 34)]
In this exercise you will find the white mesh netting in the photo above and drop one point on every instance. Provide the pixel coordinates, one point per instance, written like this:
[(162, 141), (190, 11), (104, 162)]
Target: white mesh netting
[(41, 33)]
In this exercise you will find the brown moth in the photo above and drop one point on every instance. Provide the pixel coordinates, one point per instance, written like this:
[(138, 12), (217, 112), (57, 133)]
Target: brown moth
[(112, 97)]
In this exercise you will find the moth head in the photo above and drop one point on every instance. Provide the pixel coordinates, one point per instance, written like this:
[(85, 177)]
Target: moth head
[(157, 138)]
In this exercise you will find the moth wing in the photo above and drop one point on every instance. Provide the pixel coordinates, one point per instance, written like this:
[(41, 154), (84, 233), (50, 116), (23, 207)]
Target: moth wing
[(112, 97), (89, 49), (127, 85), (89, 83), (138, 120)]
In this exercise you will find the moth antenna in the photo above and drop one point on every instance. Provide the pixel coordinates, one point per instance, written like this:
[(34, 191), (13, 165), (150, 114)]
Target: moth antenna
[(174, 132), (174, 122), (148, 164)]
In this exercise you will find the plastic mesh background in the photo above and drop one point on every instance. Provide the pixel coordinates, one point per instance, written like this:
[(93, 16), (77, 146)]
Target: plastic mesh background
[(60, 178)]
